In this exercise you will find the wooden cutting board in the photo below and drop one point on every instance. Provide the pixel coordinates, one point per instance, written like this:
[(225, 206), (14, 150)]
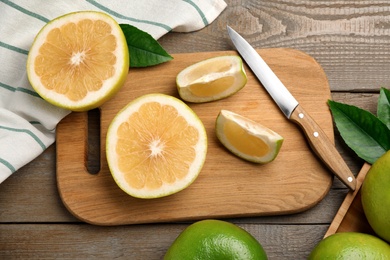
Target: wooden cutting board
[(227, 186)]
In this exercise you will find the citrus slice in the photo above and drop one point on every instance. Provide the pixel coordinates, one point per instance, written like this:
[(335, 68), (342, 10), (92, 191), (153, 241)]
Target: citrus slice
[(155, 146), (79, 60), (247, 139), (211, 79)]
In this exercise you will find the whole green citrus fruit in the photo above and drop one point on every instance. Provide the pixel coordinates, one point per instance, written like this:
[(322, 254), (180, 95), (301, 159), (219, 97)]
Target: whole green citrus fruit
[(215, 239), (351, 245), (375, 196)]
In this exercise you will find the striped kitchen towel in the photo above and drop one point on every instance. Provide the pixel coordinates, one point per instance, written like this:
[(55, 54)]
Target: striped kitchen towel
[(27, 122)]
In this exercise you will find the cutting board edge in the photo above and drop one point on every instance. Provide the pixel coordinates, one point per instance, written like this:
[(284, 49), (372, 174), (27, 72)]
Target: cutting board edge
[(94, 220)]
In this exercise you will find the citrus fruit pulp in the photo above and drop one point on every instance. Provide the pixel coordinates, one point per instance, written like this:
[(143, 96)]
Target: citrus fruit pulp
[(247, 139), (351, 245), (375, 196), (155, 146), (211, 79), (79, 60), (215, 239)]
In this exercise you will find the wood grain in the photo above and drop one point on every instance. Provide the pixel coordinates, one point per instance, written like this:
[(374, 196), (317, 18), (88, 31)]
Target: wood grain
[(323, 147), (349, 39), (136, 241), (350, 217), (227, 186)]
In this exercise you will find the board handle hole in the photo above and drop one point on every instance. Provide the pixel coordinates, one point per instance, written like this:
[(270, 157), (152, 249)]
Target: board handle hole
[(93, 146)]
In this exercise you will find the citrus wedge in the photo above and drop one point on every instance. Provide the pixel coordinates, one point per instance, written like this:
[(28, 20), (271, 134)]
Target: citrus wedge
[(155, 146), (79, 60), (211, 79), (247, 139)]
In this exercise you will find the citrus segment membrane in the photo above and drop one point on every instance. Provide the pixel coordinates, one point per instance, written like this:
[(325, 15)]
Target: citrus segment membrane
[(156, 146), (247, 139), (79, 60), (211, 79)]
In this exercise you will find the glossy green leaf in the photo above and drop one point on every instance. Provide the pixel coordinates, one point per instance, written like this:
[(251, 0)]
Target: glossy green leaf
[(362, 131), (383, 110), (144, 50)]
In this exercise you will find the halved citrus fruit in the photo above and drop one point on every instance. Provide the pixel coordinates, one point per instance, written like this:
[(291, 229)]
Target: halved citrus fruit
[(211, 79), (247, 139), (156, 146), (79, 60)]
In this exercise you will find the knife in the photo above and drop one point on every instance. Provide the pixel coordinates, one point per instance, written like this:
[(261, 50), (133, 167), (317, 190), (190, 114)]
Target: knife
[(290, 107)]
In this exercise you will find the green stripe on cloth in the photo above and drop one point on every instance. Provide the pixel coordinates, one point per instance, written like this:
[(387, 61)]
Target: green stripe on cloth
[(113, 13), (24, 90), (39, 123), (36, 138), (8, 165), (30, 92), (13, 48), (25, 11), (199, 11), (7, 87)]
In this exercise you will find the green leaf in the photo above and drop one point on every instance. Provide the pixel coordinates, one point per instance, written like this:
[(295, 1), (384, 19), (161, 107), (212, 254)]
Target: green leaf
[(383, 109), (363, 132), (143, 48)]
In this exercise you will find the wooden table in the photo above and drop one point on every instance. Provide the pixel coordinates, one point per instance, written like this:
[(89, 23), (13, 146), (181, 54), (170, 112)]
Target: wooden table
[(351, 41)]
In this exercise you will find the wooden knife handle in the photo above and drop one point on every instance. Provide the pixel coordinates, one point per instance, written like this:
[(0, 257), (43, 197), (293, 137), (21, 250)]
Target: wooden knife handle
[(323, 147)]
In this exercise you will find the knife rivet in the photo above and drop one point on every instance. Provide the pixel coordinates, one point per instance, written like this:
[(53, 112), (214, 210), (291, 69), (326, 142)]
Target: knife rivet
[(315, 134), (349, 179), (301, 115)]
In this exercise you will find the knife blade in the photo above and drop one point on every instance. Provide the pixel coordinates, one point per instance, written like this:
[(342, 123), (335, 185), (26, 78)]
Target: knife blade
[(291, 108)]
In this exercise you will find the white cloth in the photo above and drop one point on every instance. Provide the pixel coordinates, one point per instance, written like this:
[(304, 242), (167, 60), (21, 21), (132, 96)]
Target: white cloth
[(27, 122)]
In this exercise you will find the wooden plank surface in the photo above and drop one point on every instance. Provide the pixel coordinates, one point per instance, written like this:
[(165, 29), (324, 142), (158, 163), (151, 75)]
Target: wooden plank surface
[(227, 186), (350, 39), (350, 216), (138, 241)]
